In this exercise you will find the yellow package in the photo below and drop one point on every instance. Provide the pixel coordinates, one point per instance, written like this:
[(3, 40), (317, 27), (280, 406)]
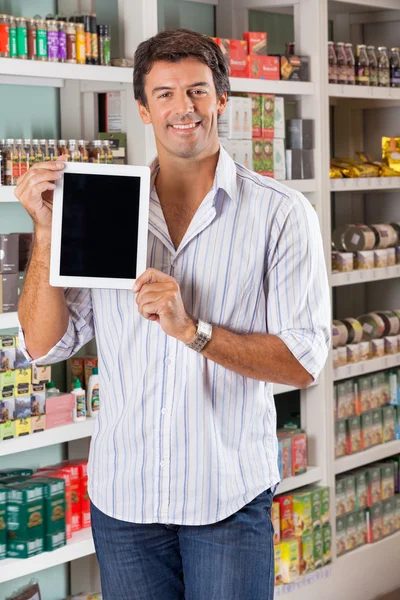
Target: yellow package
[(22, 427), (335, 173), (278, 564), (302, 513), (290, 560), (276, 521), (384, 170), (353, 168), (391, 152), (23, 381)]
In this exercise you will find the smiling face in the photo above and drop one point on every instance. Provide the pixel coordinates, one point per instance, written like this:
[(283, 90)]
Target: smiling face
[(183, 107)]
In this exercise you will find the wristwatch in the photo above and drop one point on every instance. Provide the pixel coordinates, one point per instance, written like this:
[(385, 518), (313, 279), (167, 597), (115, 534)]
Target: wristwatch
[(203, 336)]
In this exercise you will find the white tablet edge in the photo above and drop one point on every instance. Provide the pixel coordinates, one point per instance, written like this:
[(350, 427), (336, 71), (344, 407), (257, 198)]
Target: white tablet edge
[(58, 280)]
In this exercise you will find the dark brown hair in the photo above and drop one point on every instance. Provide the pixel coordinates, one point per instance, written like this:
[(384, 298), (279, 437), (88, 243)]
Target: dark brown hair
[(174, 45)]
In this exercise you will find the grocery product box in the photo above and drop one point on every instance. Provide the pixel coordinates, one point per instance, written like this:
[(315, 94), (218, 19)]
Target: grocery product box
[(341, 535), (256, 43), (22, 427), (299, 452), (318, 548), (316, 506), (389, 423), (286, 513), (327, 543), (351, 531), (340, 497), (241, 151), (38, 423), (279, 118), (8, 292), (361, 490), (263, 67), (7, 430), (354, 438), (7, 409), (267, 116), (364, 398), (350, 485), (325, 505), (290, 560), (38, 403), (3, 521), (256, 112), (22, 407), (389, 516), (59, 409), (279, 159), (285, 448), (230, 122), (77, 371), (373, 477), (397, 512), (377, 426), (388, 470), (263, 157), (367, 430), (340, 438), (235, 53), (294, 170), (302, 512), (375, 523), (54, 512), (40, 374), (275, 519), (278, 564), (25, 519), (295, 68), (23, 381), (9, 253), (300, 134), (306, 553), (362, 527)]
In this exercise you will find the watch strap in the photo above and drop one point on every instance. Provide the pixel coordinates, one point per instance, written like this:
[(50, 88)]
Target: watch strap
[(203, 336)]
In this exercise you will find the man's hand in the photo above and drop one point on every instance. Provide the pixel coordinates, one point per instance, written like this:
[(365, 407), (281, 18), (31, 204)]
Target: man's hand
[(159, 299)]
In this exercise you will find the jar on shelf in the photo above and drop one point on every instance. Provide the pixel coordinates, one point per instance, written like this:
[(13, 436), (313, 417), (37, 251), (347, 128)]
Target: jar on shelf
[(94, 42), (52, 149), (332, 63), (62, 149), (109, 159), (22, 38), (83, 146), (373, 65), (80, 44), (52, 40), (395, 67), (341, 63), (8, 161), (41, 39), (362, 65), (383, 67), (74, 154), (97, 153), (351, 73), (22, 157), (12, 37), (71, 43), (4, 36), (62, 41), (30, 155)]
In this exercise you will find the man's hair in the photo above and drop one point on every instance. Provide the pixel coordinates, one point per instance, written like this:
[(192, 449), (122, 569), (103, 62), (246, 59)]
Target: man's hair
[(174, 45)]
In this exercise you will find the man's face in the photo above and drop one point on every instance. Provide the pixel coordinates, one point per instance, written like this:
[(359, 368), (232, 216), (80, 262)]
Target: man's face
[(183, 107)]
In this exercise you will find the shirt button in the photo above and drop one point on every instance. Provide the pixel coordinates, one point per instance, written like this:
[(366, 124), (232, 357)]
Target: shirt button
[(162, 463), (164, 410), (167, 362)]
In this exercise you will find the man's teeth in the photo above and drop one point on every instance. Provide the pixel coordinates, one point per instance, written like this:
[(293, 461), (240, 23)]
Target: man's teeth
[(191, 126)]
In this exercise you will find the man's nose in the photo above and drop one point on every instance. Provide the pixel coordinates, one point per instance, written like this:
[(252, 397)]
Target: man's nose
[(184, 104)]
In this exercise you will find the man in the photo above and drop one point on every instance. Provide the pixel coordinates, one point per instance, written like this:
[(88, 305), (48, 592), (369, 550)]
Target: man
[(183, 461)]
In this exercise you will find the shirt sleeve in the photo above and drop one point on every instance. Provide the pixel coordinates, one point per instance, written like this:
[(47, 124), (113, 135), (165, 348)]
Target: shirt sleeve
[(296, 284), (79, 332)]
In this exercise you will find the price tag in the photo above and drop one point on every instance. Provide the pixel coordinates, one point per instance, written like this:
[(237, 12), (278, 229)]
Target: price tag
[(361, 274), (361, 367)]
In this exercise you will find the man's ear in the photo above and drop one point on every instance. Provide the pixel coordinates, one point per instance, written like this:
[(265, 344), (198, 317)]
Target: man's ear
[(144, 113), (222, 103)]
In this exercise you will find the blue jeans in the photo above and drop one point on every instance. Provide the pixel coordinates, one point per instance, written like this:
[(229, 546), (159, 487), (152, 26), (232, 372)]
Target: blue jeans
[(229, 560)]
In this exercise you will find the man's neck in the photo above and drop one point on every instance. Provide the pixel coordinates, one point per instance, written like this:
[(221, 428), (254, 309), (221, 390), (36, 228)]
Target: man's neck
[(182, 179)]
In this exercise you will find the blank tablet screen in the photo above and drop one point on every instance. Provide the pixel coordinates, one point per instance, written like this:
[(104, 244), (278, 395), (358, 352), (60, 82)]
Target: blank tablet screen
[(100, 226)]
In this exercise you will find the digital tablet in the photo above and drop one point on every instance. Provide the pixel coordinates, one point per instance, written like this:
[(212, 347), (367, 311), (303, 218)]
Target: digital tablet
[(100, 226)]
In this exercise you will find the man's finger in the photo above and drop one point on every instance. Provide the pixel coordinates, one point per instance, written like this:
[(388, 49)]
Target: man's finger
[(151, 275)]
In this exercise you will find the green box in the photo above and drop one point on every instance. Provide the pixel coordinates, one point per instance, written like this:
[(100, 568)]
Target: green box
[(340, 497), (354, 435), (340, 438), (351, 529), (3, 522), (318, 548), (389, 423), (367, 430), (375, 391), (397, 512), (389, 517), (373, 475), (327, 543), (388, 471), (325, 505), (362, 527), (365, 394), (24, 549), (375, 520), (7, 384), (52, 541), (377, 426), (350, 484), (7, 430), (302, 513), (351, 398), (316, 507), (25, 511), (54, 512), (341, 535), (361, 490), (23, 472), (341, 401), (307, 553)]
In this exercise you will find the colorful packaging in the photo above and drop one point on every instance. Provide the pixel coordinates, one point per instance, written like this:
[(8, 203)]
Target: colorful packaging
[(54, 512), (278, 564), (361, 490), (7, 430), (302, 512), (275, 519), (256, 43), (38, 424), (295, 68), (7, 409), (375, 523), (290, 560), (389, 423), (263, 67), (327, 543), (22, 427), (342, 401), (351, 531), (286, 512), (267, 116), (367, 430), (25, 519), (263, 157), (341, 535), (362, 527), (307, 553), (340, 438), (325, 505), (279, 118), (3, 522), (61, 473), (299, 453), (77, 371), (285, 444), (389, 516), (351, 500), (373, 475), (41, 374), (316, 507), (354, 438), (364, 394), (377, 426), (7, 385), (318, 548), (397, 512), (387, 479), (256, 112), (340, 496), (23, 381)]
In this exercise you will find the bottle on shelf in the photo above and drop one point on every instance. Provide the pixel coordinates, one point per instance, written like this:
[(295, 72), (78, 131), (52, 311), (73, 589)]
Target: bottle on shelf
[(30, 154), (362, 65), (4, 36), (107, 152), (41, 39), (44, 150), (93, 398), (52, 149), (79, 411), (32, 43), (383, 67), (373, 65), (51, 389), (62, 149), (12, 37), (97, 153), (23, 159), (16, 161), (289, 48), (8, 162), (22, 38), (83, 149), (351, 75), (37, 151), (332, 63), (74, 154), (341, 63), (395, 67)]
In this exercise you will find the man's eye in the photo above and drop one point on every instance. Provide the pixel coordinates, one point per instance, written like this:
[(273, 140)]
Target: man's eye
[(164, 95), (198, 92)]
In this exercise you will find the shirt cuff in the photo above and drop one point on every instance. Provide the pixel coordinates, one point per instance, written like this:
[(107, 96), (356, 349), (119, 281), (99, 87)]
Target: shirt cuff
[(59, 352), (308, 348)]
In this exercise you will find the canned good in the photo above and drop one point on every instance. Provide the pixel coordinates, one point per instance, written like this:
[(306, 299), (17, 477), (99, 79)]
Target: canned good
[(342, 332), (41, 40), (52, 41), (354, 330), (352, 238), (32, 39), (391, 322), (373, 326), (4, 36), (385, 235), (22, 38)]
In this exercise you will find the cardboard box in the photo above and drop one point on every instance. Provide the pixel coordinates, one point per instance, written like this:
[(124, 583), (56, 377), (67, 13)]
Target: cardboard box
[(285, 444), (7, 385), (278, 564), (389, 423), (23, 381), (247, 119), (306, 553), (364, 399), (377, 428), (113, 112), (230, 123), (302, 512), (77, 371), (7, 430), (389, 516), (3, 522), (316, 507), (294, 170), (235, 53), (38, 423), (373, 476), (325, 504), (351, 531), (362, 527), (40, 374), (290, 560), (22, 407), (300, 134), (25, 519), (275, 519), (256, 111), (361, 490), (299, 453), (241, 151), (340, 497), (307, 165), (268, 115), (341, 535), (340, 438), (367, 430), (54, 512), (286, 512), (59, 409), (354, 438), (22, 427), (263, 67), (58, 471), (397, 512), (350, 485), (21, 281), (294, 68), (9, 253), (7, 359), (256, 43), (318, 548), (327, 543), (279, 160), (375, 523), (8, 292), (263, 157), (38, 404), (7, 409), (279, 118), (387, 479)]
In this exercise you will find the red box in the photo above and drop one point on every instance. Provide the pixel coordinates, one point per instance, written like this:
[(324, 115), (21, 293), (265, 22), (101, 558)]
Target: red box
[(286, 511), (299, 453), (59, 410), (55, 471), (235, 53), (85, 521), (78, 469), (264, 67), (256, 43)]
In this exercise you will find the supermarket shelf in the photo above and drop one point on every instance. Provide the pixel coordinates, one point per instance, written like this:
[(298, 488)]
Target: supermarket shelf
[(365, 275), (7, 193), (262, 86), (41, 439), (347, 463), (305, 581), (365, 92), (365, 184), (381, 548), (313, 475), (80, 545), (14, 70), (9, 320), (366, 366)]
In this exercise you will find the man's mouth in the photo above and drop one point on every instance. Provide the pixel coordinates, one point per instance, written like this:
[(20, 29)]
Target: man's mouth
[(187, 126)]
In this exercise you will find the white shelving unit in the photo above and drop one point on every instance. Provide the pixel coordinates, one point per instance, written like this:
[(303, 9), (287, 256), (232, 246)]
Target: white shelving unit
[(8, 320), (353, 576), (7, 193)]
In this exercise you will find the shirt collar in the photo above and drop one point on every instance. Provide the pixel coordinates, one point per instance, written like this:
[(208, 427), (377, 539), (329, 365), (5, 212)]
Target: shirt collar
[(225, 174)]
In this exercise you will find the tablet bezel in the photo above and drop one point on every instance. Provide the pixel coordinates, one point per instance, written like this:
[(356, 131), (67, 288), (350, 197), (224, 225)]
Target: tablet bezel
[(57, 280)]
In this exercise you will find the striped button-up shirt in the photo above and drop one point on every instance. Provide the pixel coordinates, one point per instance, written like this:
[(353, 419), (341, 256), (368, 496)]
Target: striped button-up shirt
[(180, 439)]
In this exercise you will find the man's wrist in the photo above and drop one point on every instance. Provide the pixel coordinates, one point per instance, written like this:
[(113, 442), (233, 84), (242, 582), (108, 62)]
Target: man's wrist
[(190, 332)]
